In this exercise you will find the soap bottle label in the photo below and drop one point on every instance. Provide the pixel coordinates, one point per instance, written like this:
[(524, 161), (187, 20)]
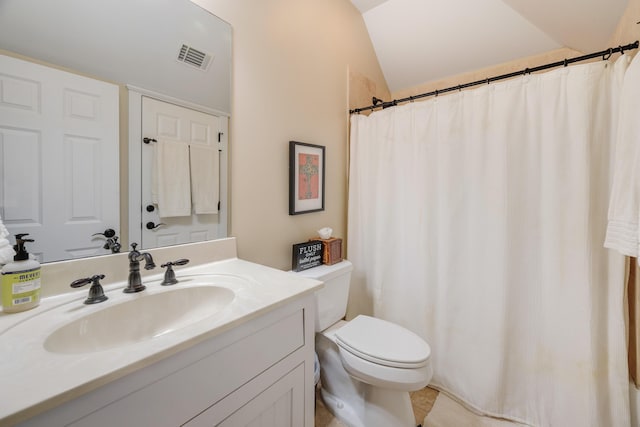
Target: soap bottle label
[(20, 288)]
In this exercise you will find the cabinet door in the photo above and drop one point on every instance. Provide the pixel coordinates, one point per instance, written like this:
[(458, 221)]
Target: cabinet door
[(280, 405)]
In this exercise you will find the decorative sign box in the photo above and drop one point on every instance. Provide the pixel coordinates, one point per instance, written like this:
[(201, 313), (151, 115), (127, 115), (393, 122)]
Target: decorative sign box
[(306, 255)]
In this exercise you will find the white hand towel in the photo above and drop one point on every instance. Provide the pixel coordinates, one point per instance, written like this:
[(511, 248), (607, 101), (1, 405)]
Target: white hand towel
[(6, 250), (624, 205), (205, 181), (171, 188), (4, 233)]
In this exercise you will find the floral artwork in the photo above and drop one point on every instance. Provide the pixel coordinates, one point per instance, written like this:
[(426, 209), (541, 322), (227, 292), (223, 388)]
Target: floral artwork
[(306, 178)]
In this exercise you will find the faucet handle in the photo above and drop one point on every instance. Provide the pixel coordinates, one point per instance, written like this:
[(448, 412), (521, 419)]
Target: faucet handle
[(170, 275), (111, 240), (96, 293), (182, 261), (112, 243)]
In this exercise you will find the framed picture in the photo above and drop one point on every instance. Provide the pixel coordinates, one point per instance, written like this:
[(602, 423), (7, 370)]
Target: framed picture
[(306, 178)]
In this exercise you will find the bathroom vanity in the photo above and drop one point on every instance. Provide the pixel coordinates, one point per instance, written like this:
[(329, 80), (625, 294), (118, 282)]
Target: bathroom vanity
[(231, 344)]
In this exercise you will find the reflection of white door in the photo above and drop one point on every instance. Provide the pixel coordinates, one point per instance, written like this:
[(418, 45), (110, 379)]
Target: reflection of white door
[(162, 120), (59, 175)]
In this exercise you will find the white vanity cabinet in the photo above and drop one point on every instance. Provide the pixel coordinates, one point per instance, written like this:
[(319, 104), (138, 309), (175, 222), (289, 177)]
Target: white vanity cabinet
[(258, 372)]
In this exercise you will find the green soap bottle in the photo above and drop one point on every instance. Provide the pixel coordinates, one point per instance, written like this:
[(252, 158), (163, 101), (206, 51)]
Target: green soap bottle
[(20, 285)]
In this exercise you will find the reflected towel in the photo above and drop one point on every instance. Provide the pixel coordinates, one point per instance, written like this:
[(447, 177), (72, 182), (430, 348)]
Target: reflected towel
[(205, 181), (624, 204), (170, 187), (4, 233)]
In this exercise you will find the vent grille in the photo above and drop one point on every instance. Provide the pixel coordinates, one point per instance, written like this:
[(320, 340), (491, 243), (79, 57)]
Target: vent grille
[(194, 57)]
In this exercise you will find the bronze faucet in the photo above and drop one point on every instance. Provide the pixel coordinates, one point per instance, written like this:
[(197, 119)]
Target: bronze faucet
[(135, 282)]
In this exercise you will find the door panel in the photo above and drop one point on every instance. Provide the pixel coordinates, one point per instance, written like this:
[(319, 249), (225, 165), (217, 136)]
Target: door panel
[(59, 165), (169, 122)]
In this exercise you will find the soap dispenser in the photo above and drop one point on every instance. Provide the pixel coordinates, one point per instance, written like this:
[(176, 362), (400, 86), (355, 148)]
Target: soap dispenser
[(20, 280)]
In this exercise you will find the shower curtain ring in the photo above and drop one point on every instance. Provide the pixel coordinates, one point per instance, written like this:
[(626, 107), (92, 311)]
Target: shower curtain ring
[(607, 55), (437, 93), (566, 62), (621, 49)]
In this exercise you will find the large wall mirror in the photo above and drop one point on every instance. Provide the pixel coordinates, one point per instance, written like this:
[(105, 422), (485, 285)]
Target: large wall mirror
[(170, 64)]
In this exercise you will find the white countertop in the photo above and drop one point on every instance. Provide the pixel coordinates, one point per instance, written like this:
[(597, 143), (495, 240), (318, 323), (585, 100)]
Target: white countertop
[(33, 379)]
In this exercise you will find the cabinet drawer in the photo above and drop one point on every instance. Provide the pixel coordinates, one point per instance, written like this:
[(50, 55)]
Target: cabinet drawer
[(178, 396)]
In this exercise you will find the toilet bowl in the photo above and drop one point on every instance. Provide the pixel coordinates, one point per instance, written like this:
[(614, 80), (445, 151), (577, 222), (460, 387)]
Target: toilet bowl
[(368, 366)]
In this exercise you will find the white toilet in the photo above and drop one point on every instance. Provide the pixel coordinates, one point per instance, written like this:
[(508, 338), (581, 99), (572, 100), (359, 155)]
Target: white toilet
[(368, 366)]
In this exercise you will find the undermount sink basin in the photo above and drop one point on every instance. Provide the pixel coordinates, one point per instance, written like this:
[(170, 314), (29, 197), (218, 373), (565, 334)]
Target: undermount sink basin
[(140, 319)]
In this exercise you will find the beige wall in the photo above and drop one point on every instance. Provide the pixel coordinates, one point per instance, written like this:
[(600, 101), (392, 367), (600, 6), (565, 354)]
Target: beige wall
[(627, 32), (291, 63), (476, 75), (298, 65), (290, 81)]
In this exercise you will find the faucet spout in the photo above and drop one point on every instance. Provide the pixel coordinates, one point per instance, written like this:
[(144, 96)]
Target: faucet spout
[(148, 261), (134, 283)]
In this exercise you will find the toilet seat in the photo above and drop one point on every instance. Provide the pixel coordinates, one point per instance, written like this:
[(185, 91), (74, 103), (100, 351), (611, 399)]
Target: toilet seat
[(385, 377), (383, 343)]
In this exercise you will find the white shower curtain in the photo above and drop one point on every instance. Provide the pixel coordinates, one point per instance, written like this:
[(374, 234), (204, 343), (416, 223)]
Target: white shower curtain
[(477, 220)]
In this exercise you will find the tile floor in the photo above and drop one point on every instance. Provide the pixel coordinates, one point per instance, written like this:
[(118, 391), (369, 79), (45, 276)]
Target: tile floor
[(422, 401)]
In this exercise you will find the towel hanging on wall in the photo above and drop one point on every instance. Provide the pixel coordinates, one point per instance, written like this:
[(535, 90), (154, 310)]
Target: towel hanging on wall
[(205, 182), (170, 182), (624, 204)]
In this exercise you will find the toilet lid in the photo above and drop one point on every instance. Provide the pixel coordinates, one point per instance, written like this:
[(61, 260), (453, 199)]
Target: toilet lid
[(383, 342)]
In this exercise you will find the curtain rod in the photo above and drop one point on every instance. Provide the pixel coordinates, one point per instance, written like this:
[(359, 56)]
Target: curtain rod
[(605, 54)]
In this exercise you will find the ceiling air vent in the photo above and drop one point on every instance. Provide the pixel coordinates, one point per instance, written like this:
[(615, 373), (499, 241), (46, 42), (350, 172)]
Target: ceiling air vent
[(194, 57)]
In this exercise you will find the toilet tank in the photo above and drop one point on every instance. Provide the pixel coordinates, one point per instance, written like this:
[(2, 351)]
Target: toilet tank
[(331, 300)]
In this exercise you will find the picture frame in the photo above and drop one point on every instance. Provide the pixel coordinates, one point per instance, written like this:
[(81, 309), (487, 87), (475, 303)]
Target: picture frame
[(306, 177)]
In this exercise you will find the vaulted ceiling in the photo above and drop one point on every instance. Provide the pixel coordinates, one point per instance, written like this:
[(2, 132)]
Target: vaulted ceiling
[(417, 41)]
